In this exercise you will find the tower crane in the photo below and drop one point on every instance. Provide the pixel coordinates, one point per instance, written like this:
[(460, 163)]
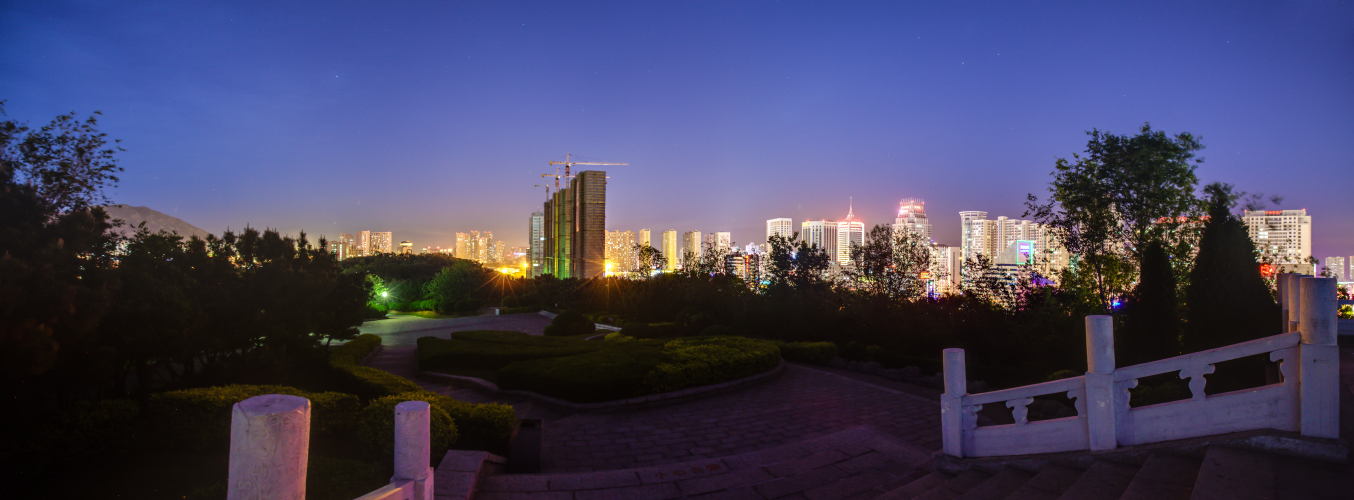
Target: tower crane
[(567, 164)]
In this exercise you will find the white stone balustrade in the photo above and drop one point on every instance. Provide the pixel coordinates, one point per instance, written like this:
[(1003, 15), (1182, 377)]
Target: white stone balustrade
[(269, 446), (1306, 400), (270, 442)]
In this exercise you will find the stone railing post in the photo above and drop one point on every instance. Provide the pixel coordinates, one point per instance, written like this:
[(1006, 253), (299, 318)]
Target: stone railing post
[(951, 403), (269, 445), (413, 444), (1100, 410), (1291, 295), (1281, 282), (1319, 373)]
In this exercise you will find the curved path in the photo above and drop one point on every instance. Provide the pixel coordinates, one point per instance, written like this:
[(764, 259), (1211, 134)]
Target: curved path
[(803, 403)]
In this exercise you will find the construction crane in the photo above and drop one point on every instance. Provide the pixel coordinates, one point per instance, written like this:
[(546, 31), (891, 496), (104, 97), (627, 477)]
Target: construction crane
[(547, 189), (567, 164)]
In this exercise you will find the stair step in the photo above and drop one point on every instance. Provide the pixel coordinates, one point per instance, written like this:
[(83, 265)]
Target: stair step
[(1050, 483), (914, 488), (1164, 477), (998, 486), (1235, 475), (958, 485), (1102, 480)]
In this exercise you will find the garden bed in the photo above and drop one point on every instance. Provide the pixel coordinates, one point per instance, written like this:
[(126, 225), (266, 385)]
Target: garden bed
[(579, 371)]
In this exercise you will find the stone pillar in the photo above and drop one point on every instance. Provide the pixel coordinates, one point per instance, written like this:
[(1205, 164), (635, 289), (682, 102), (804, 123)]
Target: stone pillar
[(1100, 410), (1281, 282), (413, 445), (269, 445), (1292, 300), (1319, 372), (951, 403)]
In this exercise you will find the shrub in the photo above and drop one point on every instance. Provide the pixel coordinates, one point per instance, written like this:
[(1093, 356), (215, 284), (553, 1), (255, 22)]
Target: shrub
[(652, 331), (509, 302), (719, 331), (519, 310), (199, 419), (617, 337), (366, 381), (376, 425), (484, 426), (94, 428), (330, 478), (354, 350), (616, 372), (374, 312), (709, 360), (494, 349), (569, 323), (636, 330), (807, 352)]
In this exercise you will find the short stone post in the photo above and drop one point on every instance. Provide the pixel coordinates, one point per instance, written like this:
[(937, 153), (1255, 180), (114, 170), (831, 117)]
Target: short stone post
[(1100, 410), (1292, 300), (269, 445), (1319, 373), (1281, 282), (952, 405), (413, 444)]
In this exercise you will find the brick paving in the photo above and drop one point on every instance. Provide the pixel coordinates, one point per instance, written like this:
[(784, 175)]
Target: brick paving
[(801, 404)]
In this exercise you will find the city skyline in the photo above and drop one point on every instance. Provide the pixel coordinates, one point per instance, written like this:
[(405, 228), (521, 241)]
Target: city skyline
[(327, 120)]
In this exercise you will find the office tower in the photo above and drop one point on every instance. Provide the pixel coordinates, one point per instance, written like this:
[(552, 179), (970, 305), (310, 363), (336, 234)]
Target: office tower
[(620, 251), (821, 234), (463, 246), (783, 227), (912, 220), (1336, 266), (381, 242), (691, 245), (1284, 235), (850, 232), (670, 249), (536, 244), (644, 238), (484, 242), (575, 222), (721, 241), (946, 269), (971, 234), (339, 247), (363, 243), (501, 252), (406, 247)]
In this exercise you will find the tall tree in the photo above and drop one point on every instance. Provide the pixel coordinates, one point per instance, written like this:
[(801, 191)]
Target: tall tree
[(67, 162), (1152, 322), (1227, 299), (1124, 193)]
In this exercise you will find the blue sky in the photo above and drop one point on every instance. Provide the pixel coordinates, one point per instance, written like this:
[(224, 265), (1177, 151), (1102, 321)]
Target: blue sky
[(427, 118)]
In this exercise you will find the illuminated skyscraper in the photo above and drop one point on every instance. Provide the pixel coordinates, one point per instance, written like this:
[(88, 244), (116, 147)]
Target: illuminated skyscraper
[(644, 238), (720, 241), (912, 220), (670, 249), (850, 232), (691, 247), (1336, 266), (536, 244), (340, 247), (620, 251), (381, 242), (575, 221), (972, 234), (463, 246), (1284, 235), (363, 243), (783, 227), (821, 234), (406, 247)]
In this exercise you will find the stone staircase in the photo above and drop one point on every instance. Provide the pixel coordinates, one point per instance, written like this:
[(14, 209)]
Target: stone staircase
[(863, 463)]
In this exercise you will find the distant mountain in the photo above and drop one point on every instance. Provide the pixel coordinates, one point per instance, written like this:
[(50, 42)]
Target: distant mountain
[(155, 221)]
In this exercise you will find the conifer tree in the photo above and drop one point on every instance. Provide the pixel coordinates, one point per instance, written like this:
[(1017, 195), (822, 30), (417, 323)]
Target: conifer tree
[(1227, 299), (1152, 323)]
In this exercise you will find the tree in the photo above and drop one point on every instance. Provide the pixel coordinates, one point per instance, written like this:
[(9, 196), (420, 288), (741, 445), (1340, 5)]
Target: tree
[(67, 162), (650, 260), (1152, 322), (889, 265), (1125, 193), (1227, 299), (795, 264)]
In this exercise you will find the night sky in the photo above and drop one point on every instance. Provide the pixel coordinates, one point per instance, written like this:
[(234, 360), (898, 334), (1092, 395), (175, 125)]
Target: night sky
[(429, 118)]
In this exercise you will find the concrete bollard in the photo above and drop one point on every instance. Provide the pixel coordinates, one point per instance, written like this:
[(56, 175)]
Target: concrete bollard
[(1100, 411), (269, 446), (413, 444), (1319, 372), (951, 403)]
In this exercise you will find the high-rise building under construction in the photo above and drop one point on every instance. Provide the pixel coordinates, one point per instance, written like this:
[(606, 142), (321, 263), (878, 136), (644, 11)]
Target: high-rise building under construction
[(575, 228)]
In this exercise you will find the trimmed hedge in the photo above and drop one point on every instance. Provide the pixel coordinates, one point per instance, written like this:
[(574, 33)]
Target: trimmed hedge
[(376, 429), (94, 428), (616, 372), (569, 323), (652, 331), (494, 349), (199, 419), (366, 381), (708, 360), (807, 352)]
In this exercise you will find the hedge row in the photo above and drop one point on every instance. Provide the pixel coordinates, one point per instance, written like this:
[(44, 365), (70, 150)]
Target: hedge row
[(199, 419), (708, 360), (616, 372), (366, 381), (807, 352), (493, 349)]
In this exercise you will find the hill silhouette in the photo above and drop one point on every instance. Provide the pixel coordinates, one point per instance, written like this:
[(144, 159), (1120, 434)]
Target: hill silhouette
[(155, 221)]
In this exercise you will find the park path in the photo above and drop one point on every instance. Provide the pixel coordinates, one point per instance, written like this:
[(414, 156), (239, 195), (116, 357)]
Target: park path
[(803, 403)]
